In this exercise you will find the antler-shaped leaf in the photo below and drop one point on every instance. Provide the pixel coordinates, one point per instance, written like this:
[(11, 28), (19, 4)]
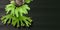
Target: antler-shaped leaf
[(5, 19), (27, 20), (10, 7), (24, 21)]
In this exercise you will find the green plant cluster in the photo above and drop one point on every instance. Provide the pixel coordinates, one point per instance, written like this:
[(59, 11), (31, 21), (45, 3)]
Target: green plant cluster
[(14, 15)]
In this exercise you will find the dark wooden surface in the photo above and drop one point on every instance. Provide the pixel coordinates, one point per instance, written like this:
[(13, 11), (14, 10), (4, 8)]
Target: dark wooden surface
[(45, 15)]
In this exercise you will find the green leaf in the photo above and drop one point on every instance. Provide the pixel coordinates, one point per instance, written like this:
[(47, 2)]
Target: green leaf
[(22, 24), (29, 19), (4, 21), (27, 1), (21, 11), (16, 11), (14, 21), (5, 18), (12, 10), (10, 7), (9, 21), (24, 10), (26, 23), (26, 7), (23, 18), (18, 24)]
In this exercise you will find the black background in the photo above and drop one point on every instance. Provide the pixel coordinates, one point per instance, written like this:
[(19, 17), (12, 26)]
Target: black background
[(45, 15)]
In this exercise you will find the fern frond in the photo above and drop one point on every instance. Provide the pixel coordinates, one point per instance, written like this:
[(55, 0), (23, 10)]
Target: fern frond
[(16, 14)]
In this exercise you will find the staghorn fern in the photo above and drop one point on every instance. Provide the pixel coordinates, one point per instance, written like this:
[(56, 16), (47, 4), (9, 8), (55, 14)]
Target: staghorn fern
[(9, 18), (14, 15), (22, 10)]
